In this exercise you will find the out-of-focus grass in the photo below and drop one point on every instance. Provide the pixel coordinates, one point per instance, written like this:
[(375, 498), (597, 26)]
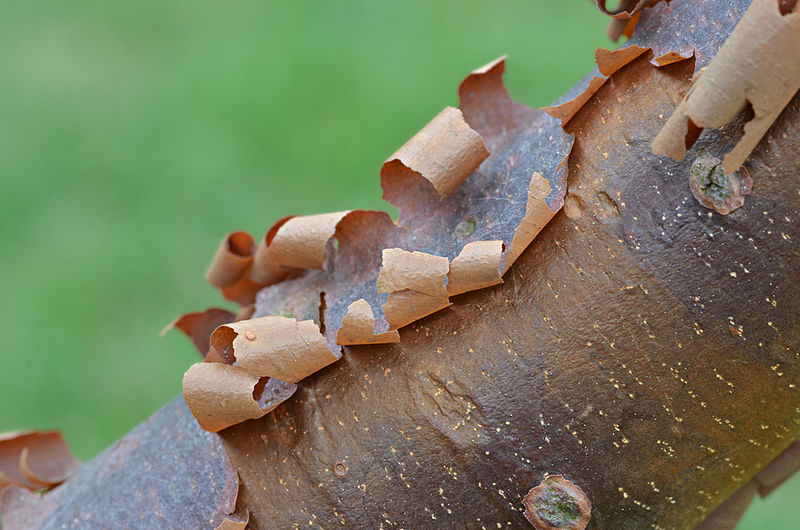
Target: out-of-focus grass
[(134, 135)]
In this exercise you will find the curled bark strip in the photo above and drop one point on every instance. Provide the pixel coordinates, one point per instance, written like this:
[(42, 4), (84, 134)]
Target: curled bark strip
[(445, 152), (34, 460), (626, 8), (48, 472), (416, 271), (274, 346), (756, 65), (264, 269), (621, 26), (199, 325), (608, 63), (404, 307), (232, 259), (625, 17), (779, 470), (229, 269), (291, 244), (301, 241), (358, 327), (220, 395), (557, 503), (476, 266), (537, 215)]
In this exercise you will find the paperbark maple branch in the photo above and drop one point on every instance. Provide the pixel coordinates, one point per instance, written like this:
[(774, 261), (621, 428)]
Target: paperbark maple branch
[(638, 348)]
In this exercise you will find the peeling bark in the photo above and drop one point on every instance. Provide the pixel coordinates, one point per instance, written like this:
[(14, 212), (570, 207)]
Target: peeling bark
[(638, 347)]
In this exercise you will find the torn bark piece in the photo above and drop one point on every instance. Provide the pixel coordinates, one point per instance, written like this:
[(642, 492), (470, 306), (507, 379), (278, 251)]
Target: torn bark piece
[(779, 470), (537, 215), (232, 259), (220, 395), (756, 65), (358, 327), (264, 269), (198, 326), (235, 522), (416, 271), (35, 460), (567, 110), (274, 346), (625, 9), (445, 152), (625, 17), (518, 136), (477, 266), (669, 58), (620, 26), (488, 107), (404, 307), (301, 242), (714, 189), (608, 63)]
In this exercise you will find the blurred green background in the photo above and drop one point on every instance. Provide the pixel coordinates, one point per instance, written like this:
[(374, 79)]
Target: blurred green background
[(134, 135)]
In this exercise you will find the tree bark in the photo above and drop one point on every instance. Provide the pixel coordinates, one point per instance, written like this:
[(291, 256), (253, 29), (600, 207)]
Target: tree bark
[(644, 347)]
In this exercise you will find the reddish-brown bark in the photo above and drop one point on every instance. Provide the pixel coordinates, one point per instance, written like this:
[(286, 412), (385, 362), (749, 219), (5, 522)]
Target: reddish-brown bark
[(644, 347)]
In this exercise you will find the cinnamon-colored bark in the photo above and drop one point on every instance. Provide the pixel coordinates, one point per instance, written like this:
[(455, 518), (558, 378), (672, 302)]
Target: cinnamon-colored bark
[(638, 348)]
